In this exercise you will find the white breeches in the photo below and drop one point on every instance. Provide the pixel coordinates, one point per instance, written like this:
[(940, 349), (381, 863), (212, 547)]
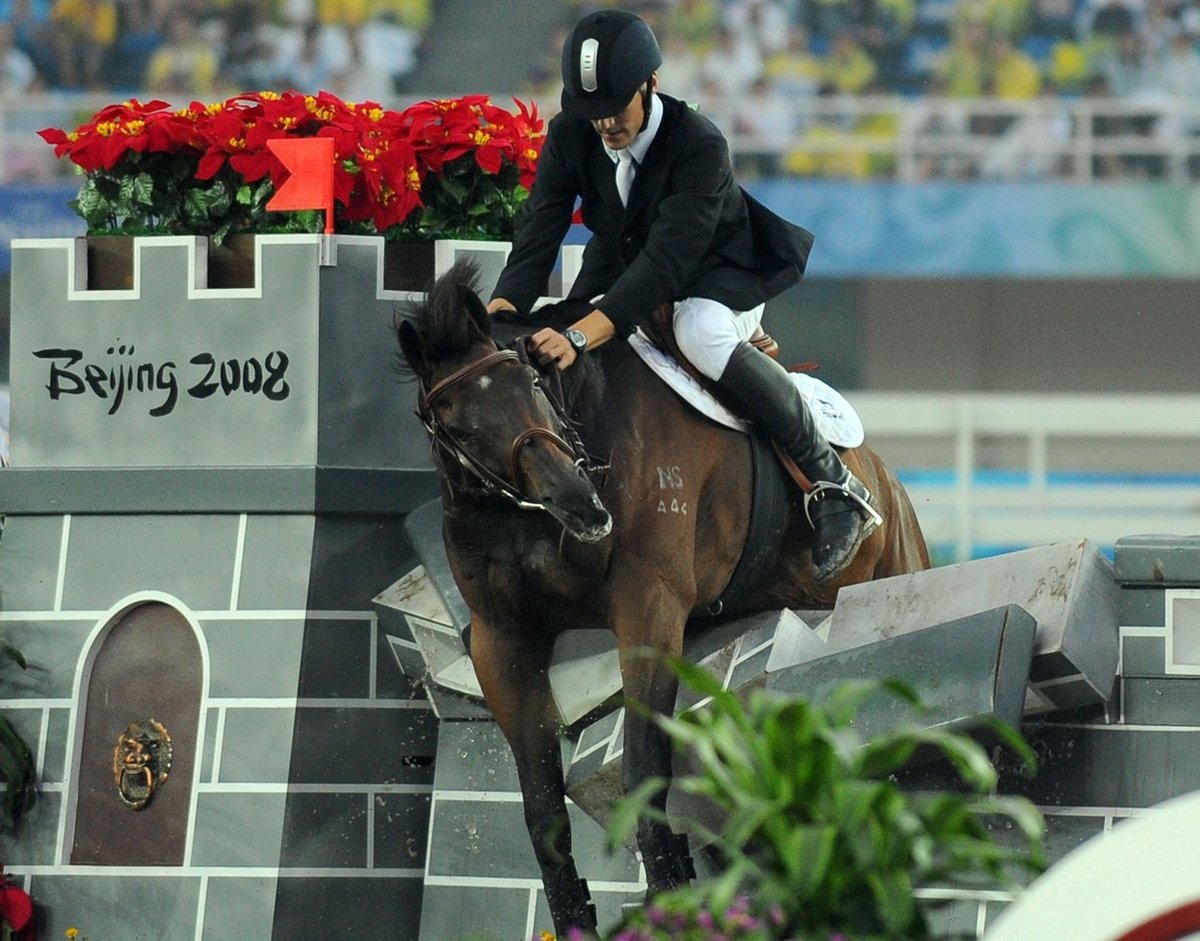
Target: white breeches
[(707, 332)]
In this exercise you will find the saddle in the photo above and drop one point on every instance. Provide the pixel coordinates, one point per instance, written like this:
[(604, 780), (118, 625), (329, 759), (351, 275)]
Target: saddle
[(660, 330)]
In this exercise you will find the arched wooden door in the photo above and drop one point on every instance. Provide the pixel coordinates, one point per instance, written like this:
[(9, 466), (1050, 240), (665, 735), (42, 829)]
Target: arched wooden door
[(149, 666)]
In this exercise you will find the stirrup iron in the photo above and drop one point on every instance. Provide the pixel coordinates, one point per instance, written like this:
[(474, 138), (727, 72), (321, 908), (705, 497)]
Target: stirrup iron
[(823, 490)]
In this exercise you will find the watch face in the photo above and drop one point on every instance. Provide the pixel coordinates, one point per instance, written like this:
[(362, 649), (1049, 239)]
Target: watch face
[(577, 339)]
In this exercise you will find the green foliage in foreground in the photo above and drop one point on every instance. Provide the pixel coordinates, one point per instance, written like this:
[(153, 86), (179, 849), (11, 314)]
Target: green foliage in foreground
[(817, 832)]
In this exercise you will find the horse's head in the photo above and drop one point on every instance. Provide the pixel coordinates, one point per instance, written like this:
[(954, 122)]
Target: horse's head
[(495, 432)]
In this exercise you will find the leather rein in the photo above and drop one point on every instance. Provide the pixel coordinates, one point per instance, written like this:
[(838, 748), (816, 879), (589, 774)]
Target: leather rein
[(474, 477)]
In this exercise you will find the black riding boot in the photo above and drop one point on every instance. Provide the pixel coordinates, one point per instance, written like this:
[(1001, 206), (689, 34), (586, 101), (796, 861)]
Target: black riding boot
[(838, 505)]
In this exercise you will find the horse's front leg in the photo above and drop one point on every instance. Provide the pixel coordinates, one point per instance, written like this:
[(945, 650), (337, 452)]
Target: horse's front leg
[(513, 671), (646, 633)]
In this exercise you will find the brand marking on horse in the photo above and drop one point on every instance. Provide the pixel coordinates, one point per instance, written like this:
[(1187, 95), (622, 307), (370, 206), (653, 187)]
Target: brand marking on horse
[(670, 478)]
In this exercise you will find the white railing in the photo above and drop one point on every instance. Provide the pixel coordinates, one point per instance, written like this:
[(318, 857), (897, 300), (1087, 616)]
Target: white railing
[(1074, 139), (1081, 466), (911, 140)]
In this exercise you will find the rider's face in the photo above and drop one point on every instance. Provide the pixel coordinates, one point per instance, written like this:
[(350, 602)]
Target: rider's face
[(619, 131)]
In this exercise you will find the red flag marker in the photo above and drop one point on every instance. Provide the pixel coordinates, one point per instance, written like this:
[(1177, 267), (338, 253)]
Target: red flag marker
[(309, 160)]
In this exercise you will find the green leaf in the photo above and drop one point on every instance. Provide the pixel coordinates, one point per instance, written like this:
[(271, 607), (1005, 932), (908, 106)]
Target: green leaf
[(808, 853), (142, 191), (886, 756), (624, 819), (454, 188), (700, 679), (1013, 739), (17, 771), (91, 204), (220, 199), (195, 209), (893, 894), (810, 818), (725, 889)]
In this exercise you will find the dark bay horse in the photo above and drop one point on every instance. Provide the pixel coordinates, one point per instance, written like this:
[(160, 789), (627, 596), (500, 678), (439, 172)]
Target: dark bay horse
[(539, 545)]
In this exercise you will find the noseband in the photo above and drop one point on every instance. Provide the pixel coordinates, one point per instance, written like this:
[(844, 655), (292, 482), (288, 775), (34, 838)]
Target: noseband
[(474, 477)]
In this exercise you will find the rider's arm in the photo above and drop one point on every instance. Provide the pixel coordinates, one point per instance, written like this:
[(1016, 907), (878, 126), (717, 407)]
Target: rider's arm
[(551, 346), (545, 221)]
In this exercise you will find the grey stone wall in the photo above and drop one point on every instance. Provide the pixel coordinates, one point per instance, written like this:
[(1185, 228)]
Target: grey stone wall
[(311, 797)]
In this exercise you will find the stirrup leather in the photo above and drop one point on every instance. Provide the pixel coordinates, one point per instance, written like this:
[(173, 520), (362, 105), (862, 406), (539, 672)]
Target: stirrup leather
[(859, 495)]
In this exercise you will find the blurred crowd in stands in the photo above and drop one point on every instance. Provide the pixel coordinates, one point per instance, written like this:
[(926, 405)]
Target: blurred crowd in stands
[(208, 49), (989, 88), (999, 72)]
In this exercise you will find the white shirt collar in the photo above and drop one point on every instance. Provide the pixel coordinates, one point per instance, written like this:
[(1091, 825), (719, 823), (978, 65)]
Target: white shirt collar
[(641, 144)]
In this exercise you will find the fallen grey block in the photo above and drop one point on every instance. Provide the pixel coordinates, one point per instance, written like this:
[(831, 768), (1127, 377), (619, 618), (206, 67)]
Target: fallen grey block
[(1068, 588), (1164, 560), (424, 529), (964, 669)]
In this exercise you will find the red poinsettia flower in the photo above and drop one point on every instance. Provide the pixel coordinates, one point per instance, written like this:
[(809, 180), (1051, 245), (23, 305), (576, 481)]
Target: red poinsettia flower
[(221, 130), (16, 907), (530, 136), (389, 166)]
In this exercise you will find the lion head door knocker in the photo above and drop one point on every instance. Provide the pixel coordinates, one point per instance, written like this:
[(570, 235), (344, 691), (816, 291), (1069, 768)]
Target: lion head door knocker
[(141, 761)]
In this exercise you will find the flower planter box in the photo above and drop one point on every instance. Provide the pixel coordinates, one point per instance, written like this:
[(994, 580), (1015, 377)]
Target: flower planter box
[(407, 266)]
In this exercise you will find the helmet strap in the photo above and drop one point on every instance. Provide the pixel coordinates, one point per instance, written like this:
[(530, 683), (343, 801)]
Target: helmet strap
[(646, 93)]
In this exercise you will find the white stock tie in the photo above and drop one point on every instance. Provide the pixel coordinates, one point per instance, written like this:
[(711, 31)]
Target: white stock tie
[(626, 168)]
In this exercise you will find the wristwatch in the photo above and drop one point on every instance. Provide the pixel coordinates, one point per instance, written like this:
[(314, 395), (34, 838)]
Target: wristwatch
[(577, 338)]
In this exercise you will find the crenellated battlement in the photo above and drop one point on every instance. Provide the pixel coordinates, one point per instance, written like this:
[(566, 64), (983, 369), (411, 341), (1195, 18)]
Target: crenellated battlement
[(293, 367)]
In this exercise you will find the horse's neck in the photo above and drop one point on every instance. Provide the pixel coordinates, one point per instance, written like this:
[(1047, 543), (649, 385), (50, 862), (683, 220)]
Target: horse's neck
[(601, 398)]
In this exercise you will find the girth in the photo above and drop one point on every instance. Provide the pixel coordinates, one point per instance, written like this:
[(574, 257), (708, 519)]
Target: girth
[(769, 501)]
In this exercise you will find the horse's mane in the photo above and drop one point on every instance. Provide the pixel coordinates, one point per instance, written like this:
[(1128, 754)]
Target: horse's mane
[(452, 319), (442, 319), (582, 386)]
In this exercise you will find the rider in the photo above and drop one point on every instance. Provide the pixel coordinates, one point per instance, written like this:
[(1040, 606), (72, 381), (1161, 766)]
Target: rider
[(687, 234)]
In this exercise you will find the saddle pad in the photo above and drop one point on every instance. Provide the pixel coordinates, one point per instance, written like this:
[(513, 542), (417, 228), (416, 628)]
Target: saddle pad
[(835, 417)]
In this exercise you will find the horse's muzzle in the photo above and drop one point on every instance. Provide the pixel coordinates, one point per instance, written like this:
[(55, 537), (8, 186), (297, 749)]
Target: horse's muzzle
[(587, 522)]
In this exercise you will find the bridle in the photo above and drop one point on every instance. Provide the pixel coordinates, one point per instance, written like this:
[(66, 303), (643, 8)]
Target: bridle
[(473, 476)]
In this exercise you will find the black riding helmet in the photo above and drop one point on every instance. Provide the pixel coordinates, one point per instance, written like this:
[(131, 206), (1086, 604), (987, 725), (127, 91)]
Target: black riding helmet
[(607, 57)]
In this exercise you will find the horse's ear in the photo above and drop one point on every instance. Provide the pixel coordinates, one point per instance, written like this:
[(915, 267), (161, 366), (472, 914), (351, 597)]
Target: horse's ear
[(478, 312), (412, 345)]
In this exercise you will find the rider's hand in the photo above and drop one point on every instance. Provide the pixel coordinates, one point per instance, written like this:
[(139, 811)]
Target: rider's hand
[(549, 346), (500, 303)]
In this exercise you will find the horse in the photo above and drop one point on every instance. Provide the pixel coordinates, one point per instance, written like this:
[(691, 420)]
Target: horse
[(541, 539)]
